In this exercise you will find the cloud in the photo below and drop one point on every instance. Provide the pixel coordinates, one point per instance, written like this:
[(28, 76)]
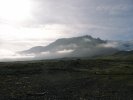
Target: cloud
[(108, 19), (65, 51), (105, 18), (79, 11), (9, 55), (109, 45)]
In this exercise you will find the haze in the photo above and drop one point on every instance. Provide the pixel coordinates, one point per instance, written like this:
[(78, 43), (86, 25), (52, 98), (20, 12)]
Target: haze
[(28, 23)]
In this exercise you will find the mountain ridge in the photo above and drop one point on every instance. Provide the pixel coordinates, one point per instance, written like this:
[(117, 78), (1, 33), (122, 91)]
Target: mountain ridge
[(83, 46)]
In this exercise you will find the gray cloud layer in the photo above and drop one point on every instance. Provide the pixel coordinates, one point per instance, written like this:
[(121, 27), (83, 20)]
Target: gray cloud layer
[(104, 18)]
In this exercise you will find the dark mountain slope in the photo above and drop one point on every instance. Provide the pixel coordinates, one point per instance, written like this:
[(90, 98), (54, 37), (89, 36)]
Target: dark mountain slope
[(121, 55), (84, 46)]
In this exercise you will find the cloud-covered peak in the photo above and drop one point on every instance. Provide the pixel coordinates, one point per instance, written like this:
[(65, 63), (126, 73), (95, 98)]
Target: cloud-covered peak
[(83, 46)]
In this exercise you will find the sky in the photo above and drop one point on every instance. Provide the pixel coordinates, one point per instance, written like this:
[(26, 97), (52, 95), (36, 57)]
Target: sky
[(28, 23)]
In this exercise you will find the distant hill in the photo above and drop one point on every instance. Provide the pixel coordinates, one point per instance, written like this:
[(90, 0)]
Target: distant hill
[(122, 55), (84, 46)]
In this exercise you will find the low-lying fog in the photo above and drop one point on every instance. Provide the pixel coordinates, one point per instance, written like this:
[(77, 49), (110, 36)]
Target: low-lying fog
[(11, 52)]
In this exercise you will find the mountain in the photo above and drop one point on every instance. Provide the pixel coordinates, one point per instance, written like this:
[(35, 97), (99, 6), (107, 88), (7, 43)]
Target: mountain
[(84, 46), (66, 44)]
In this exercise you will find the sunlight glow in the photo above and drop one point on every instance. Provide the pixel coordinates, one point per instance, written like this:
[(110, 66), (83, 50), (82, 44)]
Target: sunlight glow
[(13, 11)]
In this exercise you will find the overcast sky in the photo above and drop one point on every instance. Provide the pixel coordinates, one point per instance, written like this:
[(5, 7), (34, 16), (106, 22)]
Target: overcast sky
[(27, 23)]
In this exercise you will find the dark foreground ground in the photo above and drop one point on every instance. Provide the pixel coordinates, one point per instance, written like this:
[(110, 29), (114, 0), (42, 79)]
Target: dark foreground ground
[(67, 80)]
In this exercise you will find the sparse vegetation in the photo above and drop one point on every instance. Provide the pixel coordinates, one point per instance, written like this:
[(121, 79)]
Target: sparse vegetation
[(67, 80)]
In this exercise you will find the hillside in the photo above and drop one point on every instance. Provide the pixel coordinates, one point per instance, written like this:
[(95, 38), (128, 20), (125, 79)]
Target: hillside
[(84, 46), (125, 55)]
